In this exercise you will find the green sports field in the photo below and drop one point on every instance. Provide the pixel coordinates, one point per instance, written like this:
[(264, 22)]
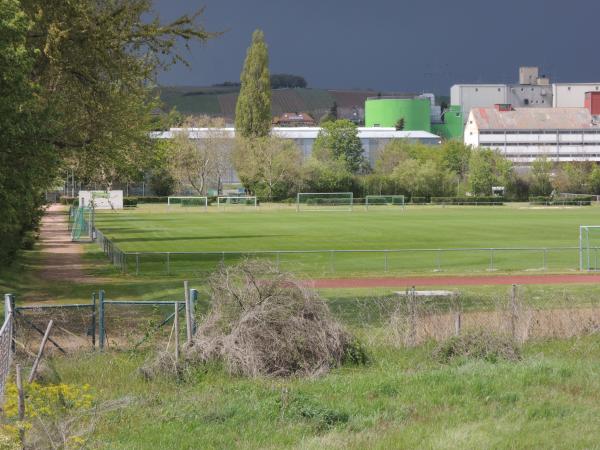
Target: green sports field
[(155, 228)]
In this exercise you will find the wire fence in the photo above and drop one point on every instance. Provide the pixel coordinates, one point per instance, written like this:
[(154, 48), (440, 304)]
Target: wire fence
[(98, 324), (341, 262), (6, 345), (414, 317)]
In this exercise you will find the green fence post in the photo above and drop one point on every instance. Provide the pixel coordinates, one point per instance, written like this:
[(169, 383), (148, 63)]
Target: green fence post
[(137, 263), (168, 263), (101, 330), (193, 301), (93, 324)]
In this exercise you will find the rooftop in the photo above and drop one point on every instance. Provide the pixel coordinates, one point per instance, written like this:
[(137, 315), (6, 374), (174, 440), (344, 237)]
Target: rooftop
[(533, 119)]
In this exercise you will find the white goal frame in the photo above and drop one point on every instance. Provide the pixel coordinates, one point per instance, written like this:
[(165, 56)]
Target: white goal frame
[(349, 196), (189, 197), (222, 200), (392, 197), (585, 249)]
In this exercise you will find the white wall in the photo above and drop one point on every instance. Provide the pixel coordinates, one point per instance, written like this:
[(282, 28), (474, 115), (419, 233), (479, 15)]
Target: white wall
[(571, 95), (471, 134), (470, 96), (102, 199)]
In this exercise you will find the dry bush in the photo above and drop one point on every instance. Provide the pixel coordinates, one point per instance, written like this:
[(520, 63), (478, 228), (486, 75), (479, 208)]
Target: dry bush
[(266, 323), (478, 344)]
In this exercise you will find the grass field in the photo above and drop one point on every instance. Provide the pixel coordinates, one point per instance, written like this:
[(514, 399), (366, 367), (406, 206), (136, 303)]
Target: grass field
[(156, 229)]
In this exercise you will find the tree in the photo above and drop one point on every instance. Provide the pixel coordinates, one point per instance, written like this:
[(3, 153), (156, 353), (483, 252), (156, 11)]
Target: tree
[(594, 180), (424, 179), (28, 164), (456, 157), (487, 169), (327, 176), (96, 63), (269, 166), (197, 162), (253, 109), (391, 155), (331, 115), (339, 141), (285, 80), (541, 172), (400, 124)]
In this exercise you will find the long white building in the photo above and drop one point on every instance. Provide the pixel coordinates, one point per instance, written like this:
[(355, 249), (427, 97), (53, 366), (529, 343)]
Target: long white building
[(525, 134), (372, 139)]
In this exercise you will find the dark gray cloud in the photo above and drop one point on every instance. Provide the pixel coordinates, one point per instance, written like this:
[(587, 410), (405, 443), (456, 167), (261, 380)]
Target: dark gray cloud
[(395, 45)]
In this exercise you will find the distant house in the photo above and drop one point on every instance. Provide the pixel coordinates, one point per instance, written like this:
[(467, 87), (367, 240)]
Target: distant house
[(294, 120)]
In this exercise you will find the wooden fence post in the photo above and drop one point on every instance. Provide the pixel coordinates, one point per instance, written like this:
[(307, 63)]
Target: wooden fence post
[(21, 403), (40, 352), (513, 311)]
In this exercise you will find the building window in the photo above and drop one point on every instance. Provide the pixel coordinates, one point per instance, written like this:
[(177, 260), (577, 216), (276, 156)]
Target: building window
[(476, 89), (499, 89), (526, 101)]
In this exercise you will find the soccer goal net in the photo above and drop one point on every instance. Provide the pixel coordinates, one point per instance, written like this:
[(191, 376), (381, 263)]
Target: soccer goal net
[(589, 245), (188, 201), (384, 200), (242, 200), (324, 201), (81, 219)]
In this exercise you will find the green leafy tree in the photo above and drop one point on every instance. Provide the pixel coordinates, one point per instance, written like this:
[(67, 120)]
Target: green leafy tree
[(400, 124), (456, 157), (27, 163), (594, 180), (487, 169), (327, 176), (253, 109), (269, 167), (339, 141), (541, 173)]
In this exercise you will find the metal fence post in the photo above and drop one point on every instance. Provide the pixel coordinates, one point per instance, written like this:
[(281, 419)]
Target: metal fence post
[(332, 261), (93, 324), (513, 311), (12, 303), (491, 259), (188, 313), (544, 261), (193, 299), (168, 263), (137, 263), (278, 259), (101, 330), (439, 260), (385, 264)]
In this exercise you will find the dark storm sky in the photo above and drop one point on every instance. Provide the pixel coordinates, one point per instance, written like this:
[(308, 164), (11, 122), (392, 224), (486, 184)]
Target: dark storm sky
[(393, 44)]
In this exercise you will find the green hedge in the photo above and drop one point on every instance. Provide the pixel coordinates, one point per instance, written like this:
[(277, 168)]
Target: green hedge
[(66, 200), (130, 202), (584, 200), (152, 199), (467, 200)]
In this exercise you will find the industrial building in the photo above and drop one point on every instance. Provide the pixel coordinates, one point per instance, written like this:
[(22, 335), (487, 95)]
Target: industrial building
[(560, 134), (372, 139), (532, 91), (419, 113)]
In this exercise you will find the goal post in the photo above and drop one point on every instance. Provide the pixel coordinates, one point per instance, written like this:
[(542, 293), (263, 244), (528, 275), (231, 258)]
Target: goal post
[(589, 245), (384, 200), (237, 200), (188, 201), (324, 201)]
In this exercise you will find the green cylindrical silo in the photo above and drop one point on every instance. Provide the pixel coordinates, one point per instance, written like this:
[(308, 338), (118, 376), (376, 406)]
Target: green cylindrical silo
[(385, 112)]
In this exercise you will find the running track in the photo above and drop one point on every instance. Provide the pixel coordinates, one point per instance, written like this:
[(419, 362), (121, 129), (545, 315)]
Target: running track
[(453, 281)]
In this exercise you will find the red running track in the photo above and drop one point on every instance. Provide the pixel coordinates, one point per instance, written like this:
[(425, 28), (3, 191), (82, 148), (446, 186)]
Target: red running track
[(404, 282)]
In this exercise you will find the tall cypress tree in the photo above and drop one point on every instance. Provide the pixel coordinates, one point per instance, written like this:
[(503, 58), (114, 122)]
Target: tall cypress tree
[(253, 109)]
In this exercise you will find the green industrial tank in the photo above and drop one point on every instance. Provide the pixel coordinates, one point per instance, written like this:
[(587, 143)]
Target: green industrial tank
[(385, 112)]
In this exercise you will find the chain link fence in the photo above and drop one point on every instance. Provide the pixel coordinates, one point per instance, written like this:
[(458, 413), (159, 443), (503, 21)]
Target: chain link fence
[(348, 262)]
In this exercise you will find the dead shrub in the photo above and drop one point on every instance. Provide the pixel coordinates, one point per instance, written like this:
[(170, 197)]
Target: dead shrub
[(266, 323), (478, 344)]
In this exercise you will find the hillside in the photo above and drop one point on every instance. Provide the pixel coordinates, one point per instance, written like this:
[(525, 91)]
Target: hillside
[(221, 100)]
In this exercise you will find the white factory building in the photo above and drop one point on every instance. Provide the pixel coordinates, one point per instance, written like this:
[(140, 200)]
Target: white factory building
[(560, 134), (532, 91), (372, 139)]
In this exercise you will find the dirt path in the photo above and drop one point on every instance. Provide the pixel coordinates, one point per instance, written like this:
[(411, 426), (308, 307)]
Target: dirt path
[(403, 282), (62, 259)]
